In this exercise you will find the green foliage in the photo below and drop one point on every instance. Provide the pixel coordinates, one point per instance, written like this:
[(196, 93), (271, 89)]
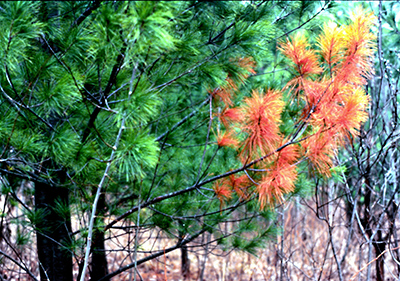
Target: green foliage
[(63, 210), (67, 87), (22, 238), (62, 146), (304, 187), (138, 152), (18, 29), (36, 217), (337, 173)]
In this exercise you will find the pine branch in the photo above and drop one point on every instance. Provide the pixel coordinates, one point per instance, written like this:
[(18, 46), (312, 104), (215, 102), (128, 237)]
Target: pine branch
[(181, 242), (25, 175), (111, 81), (183, 120), (191, 188), (304, 23), (18, 106), (211, 40), (93, 6)]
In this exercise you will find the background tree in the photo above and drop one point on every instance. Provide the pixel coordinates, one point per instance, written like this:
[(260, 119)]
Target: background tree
[(372, 178)]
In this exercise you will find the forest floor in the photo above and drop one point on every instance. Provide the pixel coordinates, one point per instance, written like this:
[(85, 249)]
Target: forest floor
[(303, 251)]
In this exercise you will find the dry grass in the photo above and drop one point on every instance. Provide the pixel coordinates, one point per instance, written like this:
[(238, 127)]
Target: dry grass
[(306, 254), (302, 252)]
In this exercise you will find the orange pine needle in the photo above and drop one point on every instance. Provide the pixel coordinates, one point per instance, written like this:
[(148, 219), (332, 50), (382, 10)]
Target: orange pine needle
[(227, 139), (240, 185), (335, 106), (261, 122), (248, 64), (353, 112), (305, 60), (229, 116), (222, 191), (331, 44), (224, 94), (320, 149), (275, 184)]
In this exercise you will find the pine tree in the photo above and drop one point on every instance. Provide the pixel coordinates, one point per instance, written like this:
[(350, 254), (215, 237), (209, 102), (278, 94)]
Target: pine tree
[(144, 115)]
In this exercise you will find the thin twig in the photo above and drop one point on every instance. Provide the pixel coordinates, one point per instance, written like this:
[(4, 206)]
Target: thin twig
[(355, 275), (304, 23), (155, 255), (105, 175), (206, 143), (137, 230), (19, 265), (183, 120)]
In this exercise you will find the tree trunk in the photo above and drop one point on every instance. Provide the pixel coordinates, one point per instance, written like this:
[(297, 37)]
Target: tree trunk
[(52, 231), (379, 264), (99, 262), (185, 269), (367, 224), (380, 270), (99, 267), (185, 261)]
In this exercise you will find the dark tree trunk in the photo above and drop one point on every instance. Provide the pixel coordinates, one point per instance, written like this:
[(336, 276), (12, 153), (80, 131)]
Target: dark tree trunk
[(379, 264), (367, 223), (99, 262), (185, 261), (52, 233)]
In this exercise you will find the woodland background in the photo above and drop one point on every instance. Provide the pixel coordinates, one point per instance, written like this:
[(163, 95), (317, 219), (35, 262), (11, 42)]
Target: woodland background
[(129, 146)]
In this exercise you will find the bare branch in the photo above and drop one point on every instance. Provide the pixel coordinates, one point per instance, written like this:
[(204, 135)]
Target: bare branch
[(96, 199)]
